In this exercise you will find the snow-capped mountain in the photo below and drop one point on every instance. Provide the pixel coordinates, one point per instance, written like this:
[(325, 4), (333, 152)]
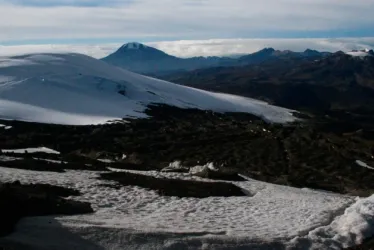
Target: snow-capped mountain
[(140, 58), (136, 52), (77, 89), (134, 45)]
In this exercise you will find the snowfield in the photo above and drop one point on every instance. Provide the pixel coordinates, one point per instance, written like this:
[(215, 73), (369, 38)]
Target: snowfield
[(270, 217), (77, 89)]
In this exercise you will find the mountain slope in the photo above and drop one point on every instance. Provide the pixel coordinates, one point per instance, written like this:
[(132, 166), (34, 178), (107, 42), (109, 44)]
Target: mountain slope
[(335, 82), (77, 89)]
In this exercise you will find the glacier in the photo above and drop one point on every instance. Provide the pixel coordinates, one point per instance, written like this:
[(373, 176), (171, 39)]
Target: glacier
[(74, 89)]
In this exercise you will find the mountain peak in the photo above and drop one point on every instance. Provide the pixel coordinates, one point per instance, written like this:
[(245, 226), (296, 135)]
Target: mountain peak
[(308, 51), (311, 52), (133, 45), (266, 50)]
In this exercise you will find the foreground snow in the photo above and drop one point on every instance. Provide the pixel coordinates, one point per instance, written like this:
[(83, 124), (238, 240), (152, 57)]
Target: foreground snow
[(270, 217), (77, 89)]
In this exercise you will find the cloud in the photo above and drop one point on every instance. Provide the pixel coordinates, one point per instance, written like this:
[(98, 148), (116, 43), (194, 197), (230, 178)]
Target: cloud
[(94, 50), (219, 47), (49, 3), (212, 47), (40, 20)]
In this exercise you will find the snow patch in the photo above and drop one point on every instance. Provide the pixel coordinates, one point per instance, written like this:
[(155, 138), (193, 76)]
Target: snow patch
[(105, 160), (363, 164), (5, 126), (31, 150)]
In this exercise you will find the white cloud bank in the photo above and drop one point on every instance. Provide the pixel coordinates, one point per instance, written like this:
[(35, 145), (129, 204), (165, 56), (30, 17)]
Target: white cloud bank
[(22, 20), (213, 47)]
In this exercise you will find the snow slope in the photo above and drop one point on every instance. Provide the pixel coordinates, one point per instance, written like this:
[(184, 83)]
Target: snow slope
[(270, 217), (77, 89)]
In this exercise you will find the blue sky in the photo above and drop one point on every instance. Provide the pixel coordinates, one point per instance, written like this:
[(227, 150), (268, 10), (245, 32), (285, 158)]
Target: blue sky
[(116, 21)]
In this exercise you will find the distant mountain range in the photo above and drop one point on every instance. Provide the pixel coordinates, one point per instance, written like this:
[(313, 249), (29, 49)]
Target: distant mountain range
[(140, 58), (333, 83)]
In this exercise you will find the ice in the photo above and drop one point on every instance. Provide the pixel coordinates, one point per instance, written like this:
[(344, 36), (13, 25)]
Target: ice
[(363, 164), (79, 90), (31, 150), (270, 217)]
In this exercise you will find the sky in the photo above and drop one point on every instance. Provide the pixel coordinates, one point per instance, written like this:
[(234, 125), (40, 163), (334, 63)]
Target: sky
[(205, 22)]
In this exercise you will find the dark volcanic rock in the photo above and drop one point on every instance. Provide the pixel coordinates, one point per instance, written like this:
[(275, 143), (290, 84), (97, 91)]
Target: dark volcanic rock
[(17, 201), (174, 187), (319, 152), (28, 162)]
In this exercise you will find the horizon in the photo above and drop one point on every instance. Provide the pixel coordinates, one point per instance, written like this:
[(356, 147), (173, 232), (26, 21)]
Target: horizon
[(205, 48), (218, 27)]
